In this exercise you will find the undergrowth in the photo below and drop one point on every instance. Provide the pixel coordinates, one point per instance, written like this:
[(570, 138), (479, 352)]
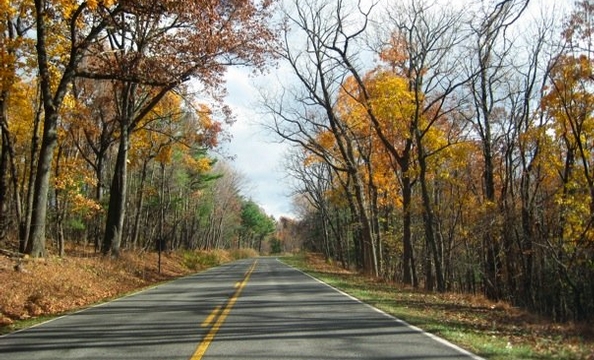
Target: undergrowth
[(493, 330), (54, 286)]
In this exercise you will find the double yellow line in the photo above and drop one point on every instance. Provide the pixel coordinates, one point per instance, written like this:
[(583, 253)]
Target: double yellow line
[(220, 318)]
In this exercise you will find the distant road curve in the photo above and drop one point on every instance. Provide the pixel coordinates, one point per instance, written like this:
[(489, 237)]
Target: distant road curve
[(249, 309)]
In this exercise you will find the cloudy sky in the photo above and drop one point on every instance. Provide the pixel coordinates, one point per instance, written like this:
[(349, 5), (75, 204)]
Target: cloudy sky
[(258, 155)]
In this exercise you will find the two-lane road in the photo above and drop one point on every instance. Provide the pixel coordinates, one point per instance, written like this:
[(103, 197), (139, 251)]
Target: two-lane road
[(250, 309)]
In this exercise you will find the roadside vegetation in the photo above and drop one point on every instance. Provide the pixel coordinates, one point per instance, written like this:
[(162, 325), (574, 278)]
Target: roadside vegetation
[(44, 288), (454, 153), (493, 330)]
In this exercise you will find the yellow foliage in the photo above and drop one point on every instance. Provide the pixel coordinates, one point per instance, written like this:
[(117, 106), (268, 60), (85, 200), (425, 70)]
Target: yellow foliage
[(69, 7), (204, 116), (9, 46), (202, 164), (326, 140), (20, 116), (311, 159), (164, 155), (71, 181), (569, 103), (386, 106)]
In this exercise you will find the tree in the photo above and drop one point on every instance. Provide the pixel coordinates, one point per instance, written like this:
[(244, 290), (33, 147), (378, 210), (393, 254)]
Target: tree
[(93, 134), (315, 182), (164, 47), (13, 25), (222, 223), (255, 225), (319, 69), (567, 103), (490, 64), (383, 105), (420, 80), (147, 51), (495, 113), (56, 74)]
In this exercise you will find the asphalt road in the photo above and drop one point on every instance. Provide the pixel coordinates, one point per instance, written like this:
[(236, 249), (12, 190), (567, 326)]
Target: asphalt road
[(249, 309)]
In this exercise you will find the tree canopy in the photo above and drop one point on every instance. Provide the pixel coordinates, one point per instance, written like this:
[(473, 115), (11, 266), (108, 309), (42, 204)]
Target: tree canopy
[(447, 148), (109, 113)]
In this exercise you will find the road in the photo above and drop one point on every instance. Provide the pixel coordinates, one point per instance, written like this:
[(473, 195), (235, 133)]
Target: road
[(249, 309)]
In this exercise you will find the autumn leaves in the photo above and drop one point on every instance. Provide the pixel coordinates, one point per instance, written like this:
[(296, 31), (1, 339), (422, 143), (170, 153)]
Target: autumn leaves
[(111, 78), (448, 148)]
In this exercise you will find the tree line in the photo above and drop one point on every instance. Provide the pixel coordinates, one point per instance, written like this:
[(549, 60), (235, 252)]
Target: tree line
[(446, 147), (109, 112)]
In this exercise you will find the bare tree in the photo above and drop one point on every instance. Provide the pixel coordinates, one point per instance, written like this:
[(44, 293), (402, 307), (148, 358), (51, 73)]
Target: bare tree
[(490, 63), (325, 31)]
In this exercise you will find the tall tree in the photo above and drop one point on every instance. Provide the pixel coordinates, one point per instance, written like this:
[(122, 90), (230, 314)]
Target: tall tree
[(567, 102), (14, 24), (154, 49), (80, 26), (490, 64), (255, 225), (418, 49), (327, 30), (223, 222)]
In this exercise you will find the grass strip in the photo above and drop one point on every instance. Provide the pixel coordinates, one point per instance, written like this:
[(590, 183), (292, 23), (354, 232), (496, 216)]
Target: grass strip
[(491, 330)]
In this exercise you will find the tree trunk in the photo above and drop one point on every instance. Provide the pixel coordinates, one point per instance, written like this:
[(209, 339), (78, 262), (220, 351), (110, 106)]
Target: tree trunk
[(410, 275), (491, 246), (139, 205), (162, 207), (369, 264), (4, 163), (36, 243), (60, 207), (60, 233), (428, 217), (361, 206), (4, 181), (8, 151), (117, 200)]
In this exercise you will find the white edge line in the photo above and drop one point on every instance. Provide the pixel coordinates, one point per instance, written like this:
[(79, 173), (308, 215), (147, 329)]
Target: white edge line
[(415, 328)]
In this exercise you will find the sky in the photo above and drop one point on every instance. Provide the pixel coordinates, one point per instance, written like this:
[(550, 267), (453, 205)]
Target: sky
[(257, 155)]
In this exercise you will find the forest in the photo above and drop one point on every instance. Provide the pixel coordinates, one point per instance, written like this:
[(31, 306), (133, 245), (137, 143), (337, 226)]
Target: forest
[(446, 146), (441, 145), (111, 115)]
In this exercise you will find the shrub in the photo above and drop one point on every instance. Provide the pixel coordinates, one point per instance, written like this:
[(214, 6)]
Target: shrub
[(198, 260), (237, 254)]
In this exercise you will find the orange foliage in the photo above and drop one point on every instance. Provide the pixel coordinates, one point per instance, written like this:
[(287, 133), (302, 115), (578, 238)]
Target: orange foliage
[(55, 285)]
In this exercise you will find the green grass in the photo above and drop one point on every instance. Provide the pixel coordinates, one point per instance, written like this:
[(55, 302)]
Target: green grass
[(493, 331), (24, 324)]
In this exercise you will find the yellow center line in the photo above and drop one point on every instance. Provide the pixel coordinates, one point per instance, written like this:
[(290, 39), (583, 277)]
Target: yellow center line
[(203, 346), (211, 317)]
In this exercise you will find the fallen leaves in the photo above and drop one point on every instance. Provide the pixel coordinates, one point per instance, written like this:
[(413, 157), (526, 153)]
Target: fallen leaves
[(57, 285)]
